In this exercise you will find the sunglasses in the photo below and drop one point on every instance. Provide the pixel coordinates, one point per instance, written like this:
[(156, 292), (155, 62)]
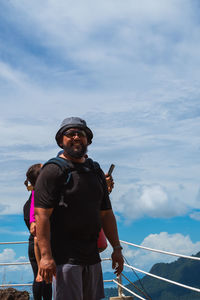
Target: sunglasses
[(73, 133)]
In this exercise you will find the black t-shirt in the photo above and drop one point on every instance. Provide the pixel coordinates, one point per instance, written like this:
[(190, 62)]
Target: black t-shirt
[(75, 221), (26, 211)]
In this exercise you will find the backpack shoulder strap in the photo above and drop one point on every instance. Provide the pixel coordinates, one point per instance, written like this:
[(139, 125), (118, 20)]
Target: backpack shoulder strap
[(62, 164), (94, 164), (96, 167)]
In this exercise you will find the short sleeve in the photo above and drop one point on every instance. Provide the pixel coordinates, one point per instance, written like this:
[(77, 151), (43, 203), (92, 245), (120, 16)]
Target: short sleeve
[(47, 186), (26, 211)]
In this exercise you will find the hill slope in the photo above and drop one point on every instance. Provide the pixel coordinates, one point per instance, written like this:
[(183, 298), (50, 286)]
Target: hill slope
[(184, 271)]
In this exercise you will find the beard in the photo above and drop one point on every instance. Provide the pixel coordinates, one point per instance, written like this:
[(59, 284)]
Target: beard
[(75, 150)]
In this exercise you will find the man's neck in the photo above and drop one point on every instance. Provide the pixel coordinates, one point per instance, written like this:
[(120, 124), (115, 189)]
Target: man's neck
[(76, 160)]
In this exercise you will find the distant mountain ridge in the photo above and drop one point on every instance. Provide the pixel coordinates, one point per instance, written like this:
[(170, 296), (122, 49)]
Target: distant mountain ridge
[(185, 271), (129, 274)]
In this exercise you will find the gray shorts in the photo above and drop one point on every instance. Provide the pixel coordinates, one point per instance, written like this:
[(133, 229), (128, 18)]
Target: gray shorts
[(75, 282)]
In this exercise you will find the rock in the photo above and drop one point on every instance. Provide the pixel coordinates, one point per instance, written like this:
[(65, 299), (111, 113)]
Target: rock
[(12, 294)]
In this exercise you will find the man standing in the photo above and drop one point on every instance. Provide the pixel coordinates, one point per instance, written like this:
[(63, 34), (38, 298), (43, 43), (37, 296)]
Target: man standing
[(67, 230)]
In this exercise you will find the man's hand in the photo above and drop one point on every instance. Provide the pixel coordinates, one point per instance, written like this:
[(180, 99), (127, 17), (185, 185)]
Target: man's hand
[(47, 269), (33, 228), (110, 182), (117, 261)]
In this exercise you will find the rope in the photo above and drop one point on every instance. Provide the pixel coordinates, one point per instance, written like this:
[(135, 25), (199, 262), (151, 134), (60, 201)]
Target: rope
[(13, 264), (161, 251), (135, 286), (165, 279), (131, 244), (128, 290), (15, 284), (137, 278), (108, 280), (113, 280), (104, 259), (8, 243)]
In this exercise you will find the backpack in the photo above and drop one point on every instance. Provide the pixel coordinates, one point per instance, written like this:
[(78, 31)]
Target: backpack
[(66, 170)]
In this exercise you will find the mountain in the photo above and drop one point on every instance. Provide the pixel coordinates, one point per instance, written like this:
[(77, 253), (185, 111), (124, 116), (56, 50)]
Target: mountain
[(130, 275), (185, 271), (110, 275)]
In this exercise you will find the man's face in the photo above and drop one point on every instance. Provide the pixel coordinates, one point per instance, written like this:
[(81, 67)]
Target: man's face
[(75, 142)]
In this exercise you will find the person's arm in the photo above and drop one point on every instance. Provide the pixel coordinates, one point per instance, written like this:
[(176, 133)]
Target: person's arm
[(110, 229), (37, 251), (38, 257), (33, 228), (47, 264)]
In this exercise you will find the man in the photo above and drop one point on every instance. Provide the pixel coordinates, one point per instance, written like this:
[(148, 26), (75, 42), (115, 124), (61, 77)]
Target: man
[(67, 230)]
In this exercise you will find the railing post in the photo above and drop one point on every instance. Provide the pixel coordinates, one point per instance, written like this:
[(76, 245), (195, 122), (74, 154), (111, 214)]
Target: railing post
[(119, 279), (120, 294)]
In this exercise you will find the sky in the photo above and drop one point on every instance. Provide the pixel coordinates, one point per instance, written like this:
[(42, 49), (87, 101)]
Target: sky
[(131, 69)]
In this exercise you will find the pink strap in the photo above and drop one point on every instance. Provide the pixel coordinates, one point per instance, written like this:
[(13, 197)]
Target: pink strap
[(32, 216)]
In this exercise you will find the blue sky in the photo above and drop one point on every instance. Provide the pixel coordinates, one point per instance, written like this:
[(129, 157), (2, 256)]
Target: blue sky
[(131, 70)]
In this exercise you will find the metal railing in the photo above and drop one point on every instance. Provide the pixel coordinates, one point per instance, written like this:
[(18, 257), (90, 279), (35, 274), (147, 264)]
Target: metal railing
[(118, 280)]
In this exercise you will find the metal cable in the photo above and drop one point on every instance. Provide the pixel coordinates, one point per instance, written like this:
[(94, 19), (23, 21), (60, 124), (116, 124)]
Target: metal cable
[(161, 251), (137, 288), (165, 279)]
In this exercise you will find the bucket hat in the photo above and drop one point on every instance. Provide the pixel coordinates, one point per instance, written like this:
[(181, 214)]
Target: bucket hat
[(73, 122)]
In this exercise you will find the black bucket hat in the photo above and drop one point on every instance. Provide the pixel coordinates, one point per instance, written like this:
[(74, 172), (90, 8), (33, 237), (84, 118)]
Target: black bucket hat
[(73, 122)]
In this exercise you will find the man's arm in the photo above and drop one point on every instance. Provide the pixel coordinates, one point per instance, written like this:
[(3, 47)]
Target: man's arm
[(47, 264), (110, 229)]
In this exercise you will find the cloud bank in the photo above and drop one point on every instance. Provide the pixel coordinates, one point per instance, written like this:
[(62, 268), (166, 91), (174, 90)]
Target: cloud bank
[(131, 70), (144, 259)]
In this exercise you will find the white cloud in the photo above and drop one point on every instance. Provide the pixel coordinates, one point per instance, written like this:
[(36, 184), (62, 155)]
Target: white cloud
[(8, 74), (175, 243), (115, 40), (8, 255), (195, 215), (151, 201), (145, 259), (130, 69), (14, 273)]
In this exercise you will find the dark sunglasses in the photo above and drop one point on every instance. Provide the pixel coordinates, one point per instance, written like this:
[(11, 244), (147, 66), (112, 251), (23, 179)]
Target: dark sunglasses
[(73, 133)]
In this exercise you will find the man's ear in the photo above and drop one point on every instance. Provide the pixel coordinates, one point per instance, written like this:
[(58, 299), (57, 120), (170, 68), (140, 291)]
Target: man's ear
[(61, 142)]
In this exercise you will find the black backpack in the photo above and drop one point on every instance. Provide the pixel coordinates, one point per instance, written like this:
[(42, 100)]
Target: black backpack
[(66, 169)]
